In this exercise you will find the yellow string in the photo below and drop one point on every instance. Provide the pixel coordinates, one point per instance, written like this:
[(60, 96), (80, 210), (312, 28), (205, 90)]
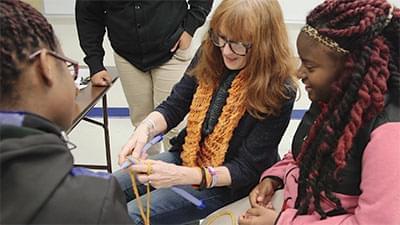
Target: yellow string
[(220, 214), (145, 217), (149, 171), (148, 203)]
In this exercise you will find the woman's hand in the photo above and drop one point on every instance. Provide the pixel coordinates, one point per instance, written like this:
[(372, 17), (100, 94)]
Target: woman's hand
[(259, 216), (262, 194), (161, 174), (135, 144)]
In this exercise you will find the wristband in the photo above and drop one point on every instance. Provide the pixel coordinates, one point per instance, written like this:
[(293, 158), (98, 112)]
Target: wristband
[(214, 176), (203, 183), (208, 178)]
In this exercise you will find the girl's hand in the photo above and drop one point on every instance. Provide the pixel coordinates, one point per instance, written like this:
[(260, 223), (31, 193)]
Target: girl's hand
[(258, 216), (262, 194)]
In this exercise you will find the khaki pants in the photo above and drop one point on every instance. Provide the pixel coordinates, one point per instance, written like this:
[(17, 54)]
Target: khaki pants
[(146, 90)]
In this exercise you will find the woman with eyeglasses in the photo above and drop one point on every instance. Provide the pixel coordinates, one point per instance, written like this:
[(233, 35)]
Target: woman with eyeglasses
[(238, 94), (39, 184)]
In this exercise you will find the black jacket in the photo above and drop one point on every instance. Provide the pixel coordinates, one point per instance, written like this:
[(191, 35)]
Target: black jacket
[(349, 178), (39, 184), (142, 32)]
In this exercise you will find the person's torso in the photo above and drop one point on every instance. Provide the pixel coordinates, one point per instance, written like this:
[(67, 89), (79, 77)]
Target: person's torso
[(143, 32), (79, 199), (349, 178), (37, 180)]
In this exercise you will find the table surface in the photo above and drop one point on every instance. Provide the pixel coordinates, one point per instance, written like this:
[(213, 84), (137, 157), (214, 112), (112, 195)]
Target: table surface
[(88, 97)]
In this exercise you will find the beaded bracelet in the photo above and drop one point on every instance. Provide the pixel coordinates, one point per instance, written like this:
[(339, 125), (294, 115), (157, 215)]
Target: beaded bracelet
[(203, 183), (208, 177), (214, 176)]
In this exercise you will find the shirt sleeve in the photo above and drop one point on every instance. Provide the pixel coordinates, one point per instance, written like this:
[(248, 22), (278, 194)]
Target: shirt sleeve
[(278, 170), (90, 23), (177, 105), (259, 149), (196, 15), (379, 202)]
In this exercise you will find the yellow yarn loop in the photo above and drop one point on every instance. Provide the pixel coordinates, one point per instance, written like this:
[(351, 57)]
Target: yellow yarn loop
[(218, 215)]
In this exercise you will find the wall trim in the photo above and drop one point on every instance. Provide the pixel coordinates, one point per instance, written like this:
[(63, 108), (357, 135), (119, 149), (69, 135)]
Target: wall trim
[(123, 113)]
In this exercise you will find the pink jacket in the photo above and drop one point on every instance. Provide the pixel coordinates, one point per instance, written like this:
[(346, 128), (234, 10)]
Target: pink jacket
[(379, 202)]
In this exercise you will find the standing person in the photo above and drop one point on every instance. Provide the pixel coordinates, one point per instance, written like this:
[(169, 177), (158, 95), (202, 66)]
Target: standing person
[(39, 184), (344, 165), (239, 94), (151, 42)]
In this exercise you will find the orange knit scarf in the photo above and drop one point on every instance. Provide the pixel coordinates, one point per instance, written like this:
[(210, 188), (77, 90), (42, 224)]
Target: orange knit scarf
[(212, 151)]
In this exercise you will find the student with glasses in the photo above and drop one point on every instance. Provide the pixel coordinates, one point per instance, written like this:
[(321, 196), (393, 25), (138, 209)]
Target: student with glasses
[(238, 94), (39, 184)]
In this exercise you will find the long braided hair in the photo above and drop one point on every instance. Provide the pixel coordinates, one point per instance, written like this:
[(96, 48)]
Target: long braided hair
[(365, 28), (23, 30)]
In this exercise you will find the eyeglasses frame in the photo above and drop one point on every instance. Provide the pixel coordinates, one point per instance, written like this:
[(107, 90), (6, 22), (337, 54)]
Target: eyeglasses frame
[(67, 60), (247, 46)]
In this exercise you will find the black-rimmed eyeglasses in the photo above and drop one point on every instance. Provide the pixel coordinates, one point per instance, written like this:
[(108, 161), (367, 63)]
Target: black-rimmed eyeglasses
[(239, 48), (72, 65)]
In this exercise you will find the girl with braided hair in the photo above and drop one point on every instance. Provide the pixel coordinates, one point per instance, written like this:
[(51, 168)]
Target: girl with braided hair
[(238, 94), (344, 164), (39, 184)]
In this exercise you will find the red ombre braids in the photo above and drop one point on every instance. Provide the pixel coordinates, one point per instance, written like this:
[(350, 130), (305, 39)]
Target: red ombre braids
[(369, 30)]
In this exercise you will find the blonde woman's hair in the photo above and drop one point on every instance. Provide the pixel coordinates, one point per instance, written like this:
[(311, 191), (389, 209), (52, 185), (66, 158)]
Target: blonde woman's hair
[(269, 61)]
